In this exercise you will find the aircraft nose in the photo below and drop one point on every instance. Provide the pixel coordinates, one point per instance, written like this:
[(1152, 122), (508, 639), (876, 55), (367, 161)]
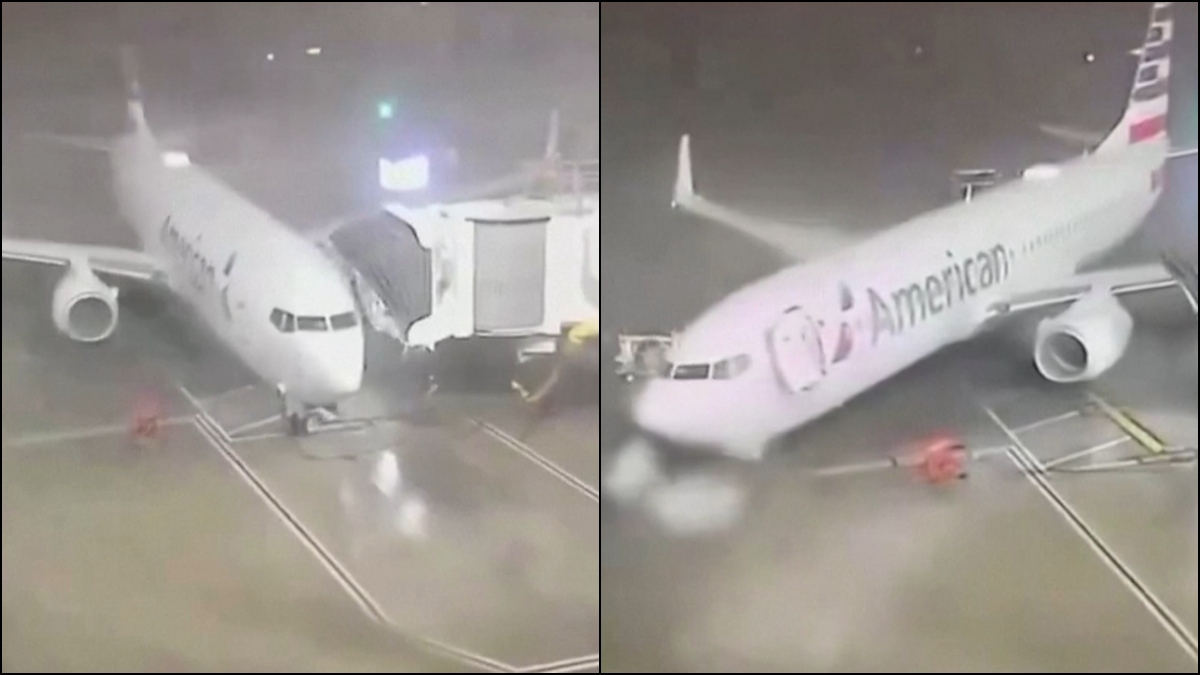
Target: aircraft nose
[(344, 377), (658, 410), (340, 369)]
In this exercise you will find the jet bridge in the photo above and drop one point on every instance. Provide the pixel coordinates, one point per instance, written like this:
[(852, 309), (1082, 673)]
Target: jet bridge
[(525, 267)]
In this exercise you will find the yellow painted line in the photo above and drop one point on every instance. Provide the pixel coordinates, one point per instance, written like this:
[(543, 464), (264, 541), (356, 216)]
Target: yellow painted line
[(1135, 429)]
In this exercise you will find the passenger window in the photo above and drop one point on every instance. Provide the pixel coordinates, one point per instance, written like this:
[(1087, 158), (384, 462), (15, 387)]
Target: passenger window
[(285, 322), (312, 324), (344, 321)]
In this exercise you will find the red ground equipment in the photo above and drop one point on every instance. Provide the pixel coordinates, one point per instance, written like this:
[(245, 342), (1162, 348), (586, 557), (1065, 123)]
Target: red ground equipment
[(941, 460), (148, 416)]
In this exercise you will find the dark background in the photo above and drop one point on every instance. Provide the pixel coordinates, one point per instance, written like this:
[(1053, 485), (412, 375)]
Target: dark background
[(998, 59)]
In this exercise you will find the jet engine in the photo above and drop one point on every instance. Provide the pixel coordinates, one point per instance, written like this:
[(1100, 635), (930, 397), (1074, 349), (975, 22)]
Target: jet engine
[(1084, 342), (84, 308)]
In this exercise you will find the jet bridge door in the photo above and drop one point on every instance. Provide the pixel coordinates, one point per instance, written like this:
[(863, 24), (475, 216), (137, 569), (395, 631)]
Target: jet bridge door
[(510, 275), (797, 352)]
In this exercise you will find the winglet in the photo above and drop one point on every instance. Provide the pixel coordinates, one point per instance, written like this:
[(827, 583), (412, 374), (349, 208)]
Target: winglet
[(685, 186)]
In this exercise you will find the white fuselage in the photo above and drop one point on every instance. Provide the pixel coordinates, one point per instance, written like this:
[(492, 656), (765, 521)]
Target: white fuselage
[(243, 272), (893, 300)]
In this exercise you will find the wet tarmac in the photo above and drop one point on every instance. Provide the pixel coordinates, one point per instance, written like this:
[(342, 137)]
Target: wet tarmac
[(282, 553)]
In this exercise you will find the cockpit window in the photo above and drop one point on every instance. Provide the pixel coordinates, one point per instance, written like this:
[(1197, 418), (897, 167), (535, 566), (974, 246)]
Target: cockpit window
[(343, 321), (284, 322), (312, 324), (729, 369)]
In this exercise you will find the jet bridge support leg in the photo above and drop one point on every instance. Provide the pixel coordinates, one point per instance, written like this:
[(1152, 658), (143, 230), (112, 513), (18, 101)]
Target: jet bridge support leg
[(1153, 452)]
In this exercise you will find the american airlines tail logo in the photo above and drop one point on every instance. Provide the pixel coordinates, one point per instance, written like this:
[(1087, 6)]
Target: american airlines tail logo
[(1153, 82)]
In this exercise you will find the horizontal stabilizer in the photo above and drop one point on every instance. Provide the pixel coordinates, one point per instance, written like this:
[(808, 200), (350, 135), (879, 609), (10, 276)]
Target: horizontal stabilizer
[(1071, 136), (90, 143)]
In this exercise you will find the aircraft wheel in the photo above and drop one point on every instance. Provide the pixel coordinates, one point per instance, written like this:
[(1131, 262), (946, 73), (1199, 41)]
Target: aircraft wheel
[(299, 425)]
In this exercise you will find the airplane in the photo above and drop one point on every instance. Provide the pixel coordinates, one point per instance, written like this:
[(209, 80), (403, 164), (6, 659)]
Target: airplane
[(269, 294), (851, 313)]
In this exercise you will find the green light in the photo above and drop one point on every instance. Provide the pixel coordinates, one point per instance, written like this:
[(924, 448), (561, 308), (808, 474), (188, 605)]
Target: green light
[(386, 110)]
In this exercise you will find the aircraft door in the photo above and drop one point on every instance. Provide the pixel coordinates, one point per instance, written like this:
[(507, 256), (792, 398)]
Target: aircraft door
[(797, 352)]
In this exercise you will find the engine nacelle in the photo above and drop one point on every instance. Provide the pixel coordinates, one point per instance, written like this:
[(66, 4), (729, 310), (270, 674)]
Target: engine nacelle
[(85, 309), (1084, 342)]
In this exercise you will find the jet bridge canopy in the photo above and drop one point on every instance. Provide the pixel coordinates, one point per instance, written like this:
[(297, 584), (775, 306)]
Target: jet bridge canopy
[(388, 257)]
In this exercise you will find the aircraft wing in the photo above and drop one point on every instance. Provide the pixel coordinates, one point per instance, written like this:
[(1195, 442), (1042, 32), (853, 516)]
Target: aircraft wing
[(116, 262), (1119, 281), (798, 242)]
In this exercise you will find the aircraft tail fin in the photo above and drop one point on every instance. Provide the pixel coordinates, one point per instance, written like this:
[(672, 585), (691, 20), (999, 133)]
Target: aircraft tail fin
[(1145, 118), (135, 106), (553, 138)]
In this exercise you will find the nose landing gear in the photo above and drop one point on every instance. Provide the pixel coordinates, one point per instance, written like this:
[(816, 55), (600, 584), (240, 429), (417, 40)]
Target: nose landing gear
[(303, 420)]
